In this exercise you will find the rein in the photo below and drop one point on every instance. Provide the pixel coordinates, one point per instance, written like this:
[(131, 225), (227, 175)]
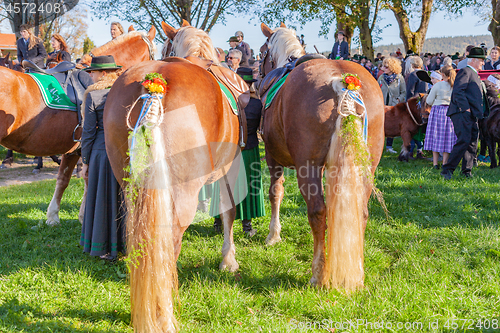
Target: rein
[(411, 114)]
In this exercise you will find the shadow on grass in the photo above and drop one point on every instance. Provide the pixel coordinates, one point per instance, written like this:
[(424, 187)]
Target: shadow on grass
[(21, 316)]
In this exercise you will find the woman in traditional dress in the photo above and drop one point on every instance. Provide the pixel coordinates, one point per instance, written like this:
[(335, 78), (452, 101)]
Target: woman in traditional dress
[(440, 135), (104, 218), (393, 88), (60, 49), (252, 205)]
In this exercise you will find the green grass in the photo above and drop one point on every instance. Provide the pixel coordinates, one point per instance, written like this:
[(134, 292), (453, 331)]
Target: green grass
[(436, 258)]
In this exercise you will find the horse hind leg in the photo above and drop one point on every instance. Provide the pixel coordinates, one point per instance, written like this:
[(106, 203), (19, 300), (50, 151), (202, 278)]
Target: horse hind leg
[(228, 248), (68, 163), (311, 188), (276, 193)]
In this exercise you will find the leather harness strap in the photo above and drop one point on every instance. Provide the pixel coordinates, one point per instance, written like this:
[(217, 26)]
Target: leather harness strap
[(412, 117)]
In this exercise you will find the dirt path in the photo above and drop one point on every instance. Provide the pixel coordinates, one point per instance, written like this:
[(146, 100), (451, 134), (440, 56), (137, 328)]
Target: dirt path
[(21, 172)]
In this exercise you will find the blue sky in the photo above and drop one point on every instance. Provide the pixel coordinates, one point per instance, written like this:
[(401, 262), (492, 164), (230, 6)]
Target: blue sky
[(440, 26)]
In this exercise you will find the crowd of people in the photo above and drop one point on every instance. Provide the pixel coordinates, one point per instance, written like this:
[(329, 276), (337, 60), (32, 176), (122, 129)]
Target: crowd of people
[(457, 100)]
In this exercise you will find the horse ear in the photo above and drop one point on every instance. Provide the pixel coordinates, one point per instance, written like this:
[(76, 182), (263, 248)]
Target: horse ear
[(169, 31), (185, 24), (131, 28), (152, 33), (282, 25), (266, 30)]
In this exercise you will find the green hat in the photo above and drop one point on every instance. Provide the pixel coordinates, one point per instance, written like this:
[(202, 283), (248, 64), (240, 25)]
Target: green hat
[(102, 63), (454, 57), (233, 39), (477, 52), (246, 74)]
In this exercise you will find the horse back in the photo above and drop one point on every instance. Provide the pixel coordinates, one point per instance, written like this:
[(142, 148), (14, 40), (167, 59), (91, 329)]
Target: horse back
[(200, 132), (305, 113)]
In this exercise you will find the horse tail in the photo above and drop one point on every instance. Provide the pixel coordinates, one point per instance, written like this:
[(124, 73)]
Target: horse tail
[(151, 259), (348, 178)]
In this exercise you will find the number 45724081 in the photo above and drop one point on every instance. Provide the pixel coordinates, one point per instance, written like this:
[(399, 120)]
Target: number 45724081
[(32, 8)]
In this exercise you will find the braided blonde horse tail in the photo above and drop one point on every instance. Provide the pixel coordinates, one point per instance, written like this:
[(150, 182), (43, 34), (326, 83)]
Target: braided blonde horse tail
[(347, 184)]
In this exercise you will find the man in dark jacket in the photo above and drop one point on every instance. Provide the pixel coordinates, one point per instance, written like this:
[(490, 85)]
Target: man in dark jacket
[(340, 50), (468, 104), (246, 53)]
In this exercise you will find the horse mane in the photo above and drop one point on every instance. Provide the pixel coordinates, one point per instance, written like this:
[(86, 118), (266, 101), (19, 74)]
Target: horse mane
[(284, 44), (190, 41), (120, 40)]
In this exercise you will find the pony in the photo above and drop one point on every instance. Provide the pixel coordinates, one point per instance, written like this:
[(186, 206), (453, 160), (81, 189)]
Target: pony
[(28, 126), (193, 141), (405, 119), (304, 128)]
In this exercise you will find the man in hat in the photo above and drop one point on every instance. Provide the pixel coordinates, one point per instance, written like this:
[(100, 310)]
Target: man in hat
[(340, 50), (246, 53), (468, 104), (462, 64)]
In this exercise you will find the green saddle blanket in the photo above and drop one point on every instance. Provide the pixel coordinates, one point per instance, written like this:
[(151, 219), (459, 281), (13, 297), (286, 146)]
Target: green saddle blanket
[(52, 92), (230, 97), (274, 90)]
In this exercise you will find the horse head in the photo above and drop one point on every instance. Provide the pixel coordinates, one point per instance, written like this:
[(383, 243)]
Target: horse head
[(187, 41), (127, 49), (418, 107), (281, 47)]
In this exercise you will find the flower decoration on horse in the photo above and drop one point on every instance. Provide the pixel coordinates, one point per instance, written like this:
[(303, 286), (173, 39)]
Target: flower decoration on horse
[(351, 81), (154, 83)]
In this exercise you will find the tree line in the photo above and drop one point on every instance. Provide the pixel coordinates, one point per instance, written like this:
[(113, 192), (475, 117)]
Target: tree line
[(447, 45)]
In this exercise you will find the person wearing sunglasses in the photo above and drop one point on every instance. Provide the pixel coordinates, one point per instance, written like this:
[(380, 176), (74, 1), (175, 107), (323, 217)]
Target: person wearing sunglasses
[(234, 59)]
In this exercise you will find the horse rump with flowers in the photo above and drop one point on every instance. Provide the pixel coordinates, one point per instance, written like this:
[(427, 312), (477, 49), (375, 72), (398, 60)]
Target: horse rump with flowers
[(327, 118), (169, 130)]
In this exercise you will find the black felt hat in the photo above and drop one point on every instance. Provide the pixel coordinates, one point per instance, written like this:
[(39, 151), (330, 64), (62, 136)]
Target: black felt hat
[(246, 74), (102, 63), (477, 52), (424, 76)]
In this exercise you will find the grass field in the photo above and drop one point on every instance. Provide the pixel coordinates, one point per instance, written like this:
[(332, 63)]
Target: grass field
[(433, 266)]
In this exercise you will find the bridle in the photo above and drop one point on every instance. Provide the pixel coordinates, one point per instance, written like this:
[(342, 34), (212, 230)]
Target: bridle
[(419, 107), (265, 55)]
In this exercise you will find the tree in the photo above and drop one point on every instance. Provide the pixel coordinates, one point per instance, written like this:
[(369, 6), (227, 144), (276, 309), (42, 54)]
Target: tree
[(71, 26), (347, 14), (203, 14), (412, 40), (494, 26), (88, 45), (34, 12)]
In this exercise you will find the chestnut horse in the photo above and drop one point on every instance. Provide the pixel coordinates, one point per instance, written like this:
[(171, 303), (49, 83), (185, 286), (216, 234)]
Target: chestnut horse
[(193, 141), (404, 120), (303, 130), (28, 126)]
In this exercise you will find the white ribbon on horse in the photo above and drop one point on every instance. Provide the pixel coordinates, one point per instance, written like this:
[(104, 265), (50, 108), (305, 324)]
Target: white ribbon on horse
[(348, 98), (150, 117)]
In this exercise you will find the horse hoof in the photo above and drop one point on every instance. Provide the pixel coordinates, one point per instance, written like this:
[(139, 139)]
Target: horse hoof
[(4, 166), (36, 171), (52, 222), (230, 267), (272, 240)]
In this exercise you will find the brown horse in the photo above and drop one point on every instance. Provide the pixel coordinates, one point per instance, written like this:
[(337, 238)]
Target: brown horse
[(193, 140), (404, 120), (303, 130), (28, 126)]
